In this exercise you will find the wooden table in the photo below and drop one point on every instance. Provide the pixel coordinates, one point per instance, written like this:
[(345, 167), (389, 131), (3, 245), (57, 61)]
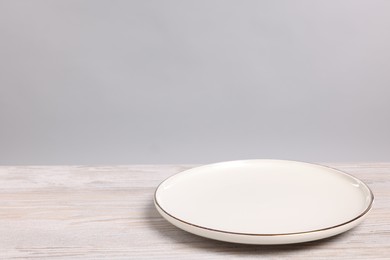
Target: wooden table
[(106, 212)]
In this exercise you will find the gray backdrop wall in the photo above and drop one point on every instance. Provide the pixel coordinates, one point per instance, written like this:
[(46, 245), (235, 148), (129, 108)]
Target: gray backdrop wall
[(100, 82)]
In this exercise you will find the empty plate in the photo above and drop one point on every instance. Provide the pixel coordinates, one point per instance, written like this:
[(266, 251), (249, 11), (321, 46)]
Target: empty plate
[(263, 201)]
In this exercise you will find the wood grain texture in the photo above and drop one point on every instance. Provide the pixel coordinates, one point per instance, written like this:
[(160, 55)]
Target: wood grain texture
[(107, 212)]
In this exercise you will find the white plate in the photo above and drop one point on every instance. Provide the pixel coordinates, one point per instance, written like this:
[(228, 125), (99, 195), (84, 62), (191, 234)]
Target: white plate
[(263, 201)]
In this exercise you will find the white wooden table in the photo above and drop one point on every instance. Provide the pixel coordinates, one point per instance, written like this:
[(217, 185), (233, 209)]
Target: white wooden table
[(107, 212)]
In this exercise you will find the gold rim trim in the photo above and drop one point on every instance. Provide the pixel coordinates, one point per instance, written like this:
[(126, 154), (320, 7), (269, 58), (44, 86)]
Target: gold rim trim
[(280, 234)]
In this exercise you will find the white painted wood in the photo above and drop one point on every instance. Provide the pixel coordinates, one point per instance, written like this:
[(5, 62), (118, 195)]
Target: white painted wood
[(107, 212)]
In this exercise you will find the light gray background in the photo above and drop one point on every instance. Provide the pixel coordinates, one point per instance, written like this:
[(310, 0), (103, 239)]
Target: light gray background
[(101, 82)]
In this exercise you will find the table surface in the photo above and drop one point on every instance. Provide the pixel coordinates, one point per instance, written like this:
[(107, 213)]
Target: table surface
[(107, 212)]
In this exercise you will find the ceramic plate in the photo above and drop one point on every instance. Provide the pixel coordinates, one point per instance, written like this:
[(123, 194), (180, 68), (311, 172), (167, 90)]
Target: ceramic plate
[(263, 201)]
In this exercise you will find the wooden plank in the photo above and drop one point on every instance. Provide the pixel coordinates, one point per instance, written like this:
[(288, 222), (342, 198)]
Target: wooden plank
[(106, 212)]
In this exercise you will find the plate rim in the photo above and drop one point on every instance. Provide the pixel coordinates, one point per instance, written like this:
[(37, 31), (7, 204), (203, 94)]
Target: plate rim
[(268, 234)]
